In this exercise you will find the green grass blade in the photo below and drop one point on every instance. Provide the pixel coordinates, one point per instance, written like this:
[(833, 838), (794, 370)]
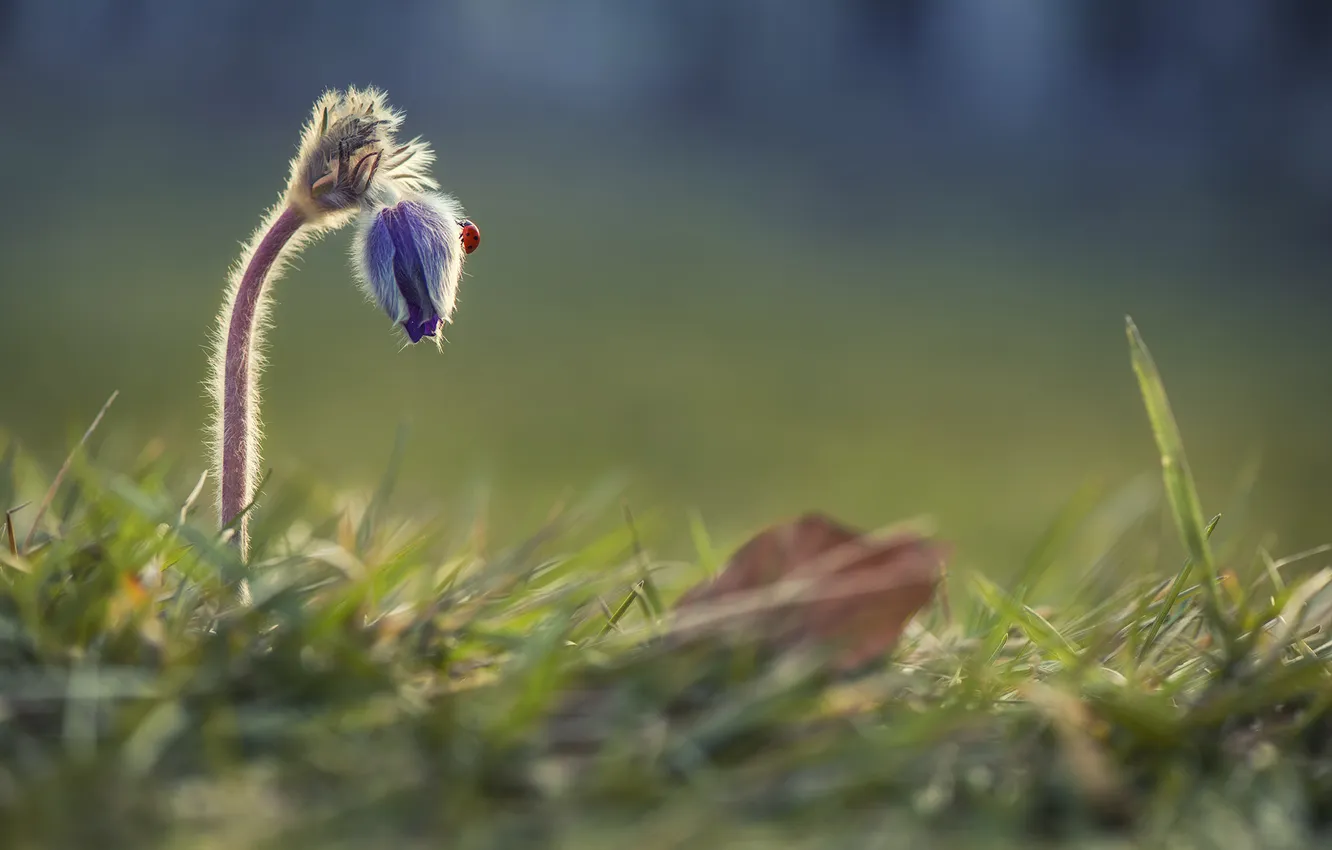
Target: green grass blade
[(1036, 628), (1172, 596), (649, 596), (707, 555), (1181, 491), (613, 620), (64, 470)]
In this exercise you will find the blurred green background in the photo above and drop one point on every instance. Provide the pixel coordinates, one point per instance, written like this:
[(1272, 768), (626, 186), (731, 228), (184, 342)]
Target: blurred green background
[(763, 306)]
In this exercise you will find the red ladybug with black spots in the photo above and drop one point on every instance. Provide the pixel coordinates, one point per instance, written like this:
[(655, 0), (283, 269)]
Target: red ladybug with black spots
[(471, 236)]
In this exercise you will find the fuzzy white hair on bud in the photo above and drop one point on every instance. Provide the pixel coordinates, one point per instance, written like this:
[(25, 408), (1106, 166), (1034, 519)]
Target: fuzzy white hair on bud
[(349, 153)]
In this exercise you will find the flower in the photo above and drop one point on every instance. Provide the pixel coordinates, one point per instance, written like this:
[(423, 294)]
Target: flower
[(409, 255), (349, 157), (409, 258)]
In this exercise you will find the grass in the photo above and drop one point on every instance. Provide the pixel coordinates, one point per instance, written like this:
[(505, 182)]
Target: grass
[(398, 683)]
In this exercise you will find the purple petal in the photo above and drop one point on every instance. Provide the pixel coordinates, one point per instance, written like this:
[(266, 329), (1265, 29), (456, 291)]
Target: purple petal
[(379, 262), (402, 222), (417, 327), (414, 331), (437, 244)]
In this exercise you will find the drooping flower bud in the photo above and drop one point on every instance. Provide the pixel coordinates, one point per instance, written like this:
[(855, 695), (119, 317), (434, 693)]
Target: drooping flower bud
[(409, 255), (349, 158), (409, 258)]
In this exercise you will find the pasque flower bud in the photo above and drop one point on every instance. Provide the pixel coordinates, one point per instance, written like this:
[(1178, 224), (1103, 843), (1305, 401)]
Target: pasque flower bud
[(408, 257)]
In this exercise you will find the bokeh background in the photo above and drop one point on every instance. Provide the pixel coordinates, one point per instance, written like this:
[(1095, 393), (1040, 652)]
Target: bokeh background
[(752, 256)]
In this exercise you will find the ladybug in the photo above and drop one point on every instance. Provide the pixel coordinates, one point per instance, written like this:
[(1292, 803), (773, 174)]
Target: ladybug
[(471, 236)]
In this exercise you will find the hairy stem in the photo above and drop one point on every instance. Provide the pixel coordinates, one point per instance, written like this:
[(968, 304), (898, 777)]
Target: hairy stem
[(238, 440)]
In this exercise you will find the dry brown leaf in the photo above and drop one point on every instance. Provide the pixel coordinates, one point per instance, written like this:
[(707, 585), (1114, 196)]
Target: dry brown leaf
[(815, 581)]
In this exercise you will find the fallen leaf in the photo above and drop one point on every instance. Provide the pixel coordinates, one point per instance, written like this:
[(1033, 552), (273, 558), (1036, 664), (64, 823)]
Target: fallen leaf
[(813, 581)]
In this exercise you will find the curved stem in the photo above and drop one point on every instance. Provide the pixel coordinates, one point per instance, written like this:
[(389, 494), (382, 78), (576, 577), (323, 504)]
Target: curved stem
[(239, 421)]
